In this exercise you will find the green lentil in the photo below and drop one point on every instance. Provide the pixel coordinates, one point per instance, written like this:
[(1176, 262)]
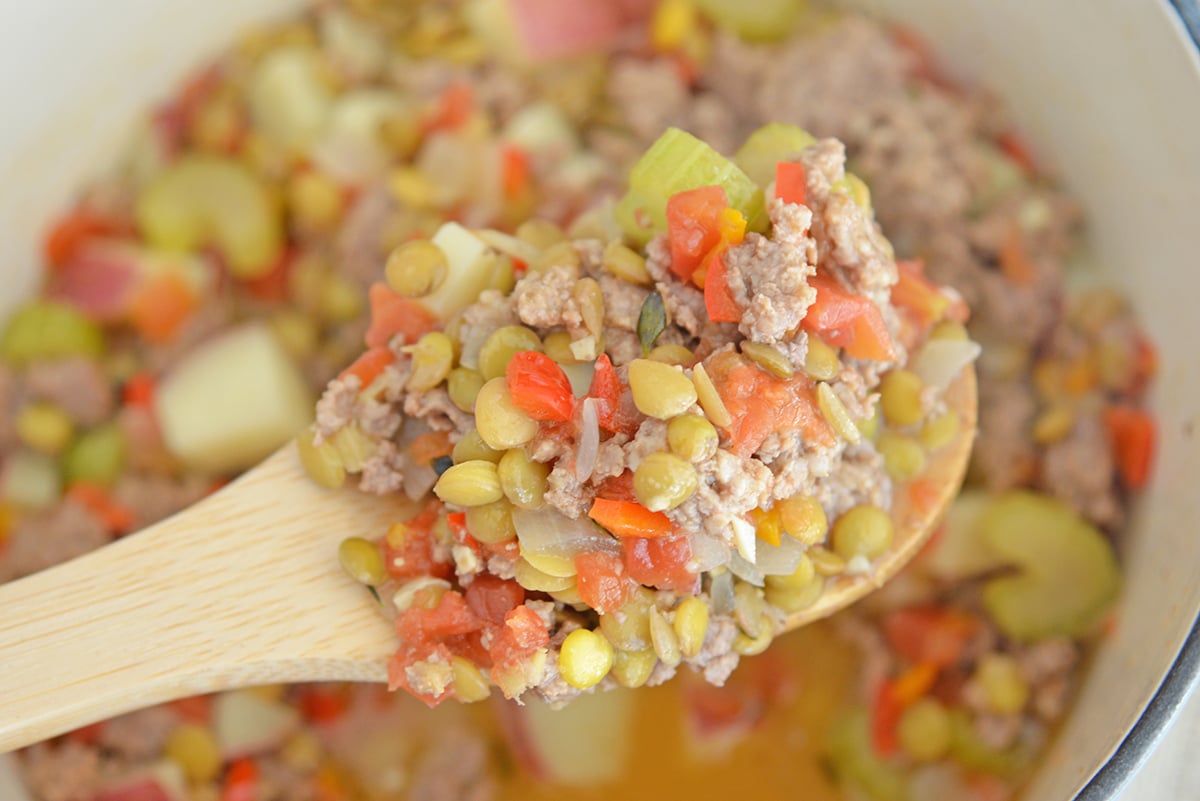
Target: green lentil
[(691, 624), (97, 456), (44, 427), (865, 530), (925, 730), (803, 518), (692, 437), (362, 561), (585, 658), (523, 479), (632, 669), (499, 422), (663, 481), (626, 264), (463, 385), (472, 483), (491, 522), (768, 358), (660, 390), (901, 398), (432, 358), (903, 457), (322, 463), (472, 446), (502, 345)]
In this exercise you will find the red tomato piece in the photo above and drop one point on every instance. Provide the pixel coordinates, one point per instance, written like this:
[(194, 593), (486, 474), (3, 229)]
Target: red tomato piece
[(661, 562), (694, 227), (491, 598), (522, 634), (603, 582), (1133, 435), (629, 519), (412, 554), (847, 320), (450, 618), (761, 404), (928, 634), (790, 185), (615, 411), (885, 719), (539, 387), (718, 298), (392, 313)]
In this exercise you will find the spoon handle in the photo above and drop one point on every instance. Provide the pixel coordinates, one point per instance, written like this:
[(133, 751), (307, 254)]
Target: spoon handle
[(241, 589)]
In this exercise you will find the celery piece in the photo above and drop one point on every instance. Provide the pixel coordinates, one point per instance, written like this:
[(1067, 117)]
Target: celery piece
[(961, 552), (853, 760), (756, 20), (97, 457), (201, 199), (969, 750), (675, 163), (769, 145), (1067, 574), (30, 480), (48, 330)]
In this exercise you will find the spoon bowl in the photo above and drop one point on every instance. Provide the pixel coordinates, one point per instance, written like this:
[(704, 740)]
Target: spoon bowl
[(244, 588)]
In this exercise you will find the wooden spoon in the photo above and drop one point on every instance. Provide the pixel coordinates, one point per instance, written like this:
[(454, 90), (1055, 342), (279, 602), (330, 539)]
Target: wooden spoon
[(244, 588)]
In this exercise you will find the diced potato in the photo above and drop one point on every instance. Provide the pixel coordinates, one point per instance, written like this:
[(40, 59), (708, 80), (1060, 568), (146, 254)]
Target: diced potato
[(1068, 574), (245, 723), (232, 401), (288, 96), (468, 272), (202, 199), (582, 745)]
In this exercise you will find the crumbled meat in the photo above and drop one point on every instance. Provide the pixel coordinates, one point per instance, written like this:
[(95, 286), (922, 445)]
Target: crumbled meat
[(546, 299), (429, 676), (1079, 470), (361, 241), (435, 409), (335, 409), (998, 732), (768, 278), (716, 657), (77, 386), (454, 767), (566, 493), (138, 735), (67, 771), (1004, 456), (154, 496), (40, 540), (857, 478), (384, 472)]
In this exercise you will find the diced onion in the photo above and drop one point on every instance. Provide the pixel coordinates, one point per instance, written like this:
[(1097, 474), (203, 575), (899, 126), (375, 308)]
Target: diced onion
[(509, 245), (708, 552), (580, 376), (940, 360), (746, 571), (745, 538), (721, 592), (779, 560), (589, 441), (548, 532)]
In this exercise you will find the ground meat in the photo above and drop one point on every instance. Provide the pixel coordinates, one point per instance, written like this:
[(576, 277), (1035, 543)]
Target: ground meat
[(622, 303), (68, 771), (768, 278), (650, 94), (716, 658), (455, 767), (335, 409), (546, 299), (138, 735), (857, 478), (384, 472), (8, 407), (566, 493), (1079, 470), (77, 386), (1004, 456), (361, 241), (154, 496), (47, 538), (437, 411)]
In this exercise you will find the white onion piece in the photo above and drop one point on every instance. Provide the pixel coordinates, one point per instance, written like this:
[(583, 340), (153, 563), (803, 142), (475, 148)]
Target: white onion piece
[(721, 592), (580, 375), (471, 345), (745, 571), (418, 479), (745, 538), (940, 360), (779, 560), (589, 441), (708, 552), (509, 245), (548, 532)]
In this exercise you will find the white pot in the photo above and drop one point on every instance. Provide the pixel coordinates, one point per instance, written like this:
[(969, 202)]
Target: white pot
[(1107, 90)]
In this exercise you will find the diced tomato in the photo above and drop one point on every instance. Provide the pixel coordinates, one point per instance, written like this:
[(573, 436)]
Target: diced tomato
[(117, 517), (1013, 145), (718, 298), (661, 562), (1015, 263), (850, 321), (454, 108), (693, 226), (413, 556), (241, 781), (99, 279), (790, 184), (369, 365), (491, 598), (1133, 434), (885, 719), (76, 229), (429, 446), (925, 494), (273, 286), (522, 634), (515, 172), (161, 306), (629, 519), (196, 709), (603, 582), (539, 387), (86, 735), (615, 411), (392, 314), (617, 488), (324, 703), (406, 660), (139, 390), (915, 292), (929, 634), (761, 404), (450, 618)]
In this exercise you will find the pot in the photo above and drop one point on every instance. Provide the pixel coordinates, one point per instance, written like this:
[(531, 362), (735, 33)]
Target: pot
[(1107, 90)]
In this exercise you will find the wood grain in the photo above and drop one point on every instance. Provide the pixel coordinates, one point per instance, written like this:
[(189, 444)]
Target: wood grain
[(243, 588)]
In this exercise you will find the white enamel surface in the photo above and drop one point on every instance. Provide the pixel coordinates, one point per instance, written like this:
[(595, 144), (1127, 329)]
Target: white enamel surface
[(1107, 90)]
